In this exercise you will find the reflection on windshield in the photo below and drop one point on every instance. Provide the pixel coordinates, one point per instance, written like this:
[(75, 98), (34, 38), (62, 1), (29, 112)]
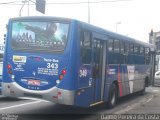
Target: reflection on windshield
[(39, 35)]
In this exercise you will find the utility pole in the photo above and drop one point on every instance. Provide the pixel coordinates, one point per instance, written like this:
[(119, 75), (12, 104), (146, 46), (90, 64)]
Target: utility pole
[(24, 2), (117, 23), (40, 6), (28, 7), (88, 12)]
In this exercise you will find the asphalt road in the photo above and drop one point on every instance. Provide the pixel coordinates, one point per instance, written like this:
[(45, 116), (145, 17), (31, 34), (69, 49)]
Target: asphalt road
[(151, 106), (24, 109)]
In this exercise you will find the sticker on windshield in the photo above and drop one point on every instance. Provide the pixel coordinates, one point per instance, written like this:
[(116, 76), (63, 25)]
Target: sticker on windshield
[(17, 58)]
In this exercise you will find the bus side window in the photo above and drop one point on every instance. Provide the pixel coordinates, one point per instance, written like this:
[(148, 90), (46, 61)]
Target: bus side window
[(110, 51), (136, 49), (86, 39), (126, 48), (122, 53), (126, 52), (131, 48), (110, 45), (141, 50), (122, 46), (86, 56), (86, 47), (114, 52), (116, 46), (147, 55), (131, 56)]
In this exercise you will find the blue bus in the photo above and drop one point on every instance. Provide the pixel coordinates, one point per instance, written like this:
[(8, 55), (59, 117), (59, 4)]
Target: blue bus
[(70, 62)]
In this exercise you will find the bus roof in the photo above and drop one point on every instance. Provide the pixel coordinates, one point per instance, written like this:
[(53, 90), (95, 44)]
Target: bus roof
[(41, 18), (89, 27), (115, 35)]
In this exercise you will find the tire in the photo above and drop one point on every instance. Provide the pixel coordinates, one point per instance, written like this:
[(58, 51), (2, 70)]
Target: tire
[(112, 96)]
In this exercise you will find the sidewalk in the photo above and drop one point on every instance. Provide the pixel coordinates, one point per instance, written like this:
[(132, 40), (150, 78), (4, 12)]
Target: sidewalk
[(154, 89)]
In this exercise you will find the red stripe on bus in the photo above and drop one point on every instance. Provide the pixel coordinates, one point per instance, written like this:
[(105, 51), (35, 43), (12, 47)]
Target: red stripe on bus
[(120, 82)]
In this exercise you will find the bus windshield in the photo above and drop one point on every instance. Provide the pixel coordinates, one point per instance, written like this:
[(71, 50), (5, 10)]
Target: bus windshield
[(39, 36)]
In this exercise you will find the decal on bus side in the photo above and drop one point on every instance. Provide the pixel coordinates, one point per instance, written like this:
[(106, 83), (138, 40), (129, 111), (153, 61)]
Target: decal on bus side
[(131, 72), (51, 67), (19, 62), (82, 73), (47, 71), (17, 58), (19, 67)]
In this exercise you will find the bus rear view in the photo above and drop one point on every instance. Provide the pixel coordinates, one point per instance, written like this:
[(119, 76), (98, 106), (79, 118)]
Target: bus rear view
[(34, 64), (70, 62)]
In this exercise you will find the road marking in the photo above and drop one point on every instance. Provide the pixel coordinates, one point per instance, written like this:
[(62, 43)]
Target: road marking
[(14, 106), (155, 90), (149, 99)]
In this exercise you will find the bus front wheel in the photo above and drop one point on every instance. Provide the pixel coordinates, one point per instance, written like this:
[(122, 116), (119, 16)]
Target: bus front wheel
[(112, 96)]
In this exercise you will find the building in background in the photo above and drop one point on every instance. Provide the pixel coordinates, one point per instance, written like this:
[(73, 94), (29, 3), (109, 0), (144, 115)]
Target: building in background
[(154, 38)]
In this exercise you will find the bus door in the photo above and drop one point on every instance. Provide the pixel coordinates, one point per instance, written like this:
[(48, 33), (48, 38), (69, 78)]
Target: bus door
[(98, 63)]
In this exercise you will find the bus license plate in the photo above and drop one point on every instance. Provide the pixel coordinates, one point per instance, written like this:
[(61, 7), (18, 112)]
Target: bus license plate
[(34, 82)]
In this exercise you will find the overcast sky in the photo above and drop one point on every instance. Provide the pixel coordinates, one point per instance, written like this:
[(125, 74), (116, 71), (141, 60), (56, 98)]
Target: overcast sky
[(136, 17)]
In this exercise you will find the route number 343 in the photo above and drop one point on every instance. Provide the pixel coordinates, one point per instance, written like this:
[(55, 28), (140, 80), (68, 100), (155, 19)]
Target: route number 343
[(52, 65)]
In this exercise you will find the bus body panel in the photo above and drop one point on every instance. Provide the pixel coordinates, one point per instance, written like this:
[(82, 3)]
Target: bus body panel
[(130, 78), (41, 70), (38, 73)]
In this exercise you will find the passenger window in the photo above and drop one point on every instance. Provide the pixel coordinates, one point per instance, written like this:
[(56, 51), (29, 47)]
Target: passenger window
[(131, 48), (86, 47), (98, 44), (122, 46), (116, 46), (86, 39), (147, 51), (95, 43), (126, 48), (86, 56), (136, 49), (110, 45), (147, 55), (141, 50)]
